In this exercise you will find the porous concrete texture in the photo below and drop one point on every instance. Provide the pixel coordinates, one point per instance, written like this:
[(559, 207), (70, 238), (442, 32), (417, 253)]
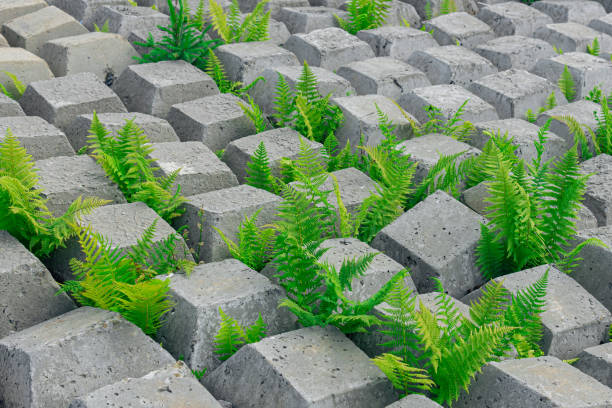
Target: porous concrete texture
[(422, 6), (602, 24), (40, 139), (574, 37), (562, 11), (307, 19), (354, 187), (513, 18), (228, 285), (26, 66), (9, 107), (596, 361), (460, 27), (598, 195), (84, 10), (415, 401), (10, 9), (515, 51), (583, 111), (397, 41), (123, 20)]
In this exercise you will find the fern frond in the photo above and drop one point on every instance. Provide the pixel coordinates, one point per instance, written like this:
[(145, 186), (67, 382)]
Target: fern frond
[(567, 84)]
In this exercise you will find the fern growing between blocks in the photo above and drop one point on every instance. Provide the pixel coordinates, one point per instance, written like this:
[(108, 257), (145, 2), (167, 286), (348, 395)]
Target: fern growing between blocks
[(233, 28), (364, 15), (231, 335)]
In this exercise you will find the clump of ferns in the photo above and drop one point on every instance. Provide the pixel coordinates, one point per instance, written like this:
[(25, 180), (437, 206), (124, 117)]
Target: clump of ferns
[(19, 86), (364, 15), (232, 27)]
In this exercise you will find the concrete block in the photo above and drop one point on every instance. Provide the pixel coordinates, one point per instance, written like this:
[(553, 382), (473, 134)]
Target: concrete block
[(153, 88), (436, 238), (84, 10), (50, 364), (10, 9), (415, 401), (459, 27), (104, 54), (383, 76), (41, 139), (448, 98), (469, 6), (598, 196), (201, 170), (173, 385), (25, 65), (60, 100), (280, 143), (328, 48), (9, 107), (544, 382), (515, 51), (190, 327), (602, 24), (311, 367), (274, 6), (141, 35), (32, 30), (607, 5), (123, 20), (561, 11), (63, 179), (28, 293), (3, 42), (574, 37), (397, 41), (213, 120), (451, 64), (307, 19), (596, 362), (354, 186), (513, 18), (224, 209), (582, 110), (401, 11)]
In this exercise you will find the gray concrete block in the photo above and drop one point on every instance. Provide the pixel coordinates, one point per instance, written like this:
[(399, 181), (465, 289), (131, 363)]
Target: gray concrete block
[(41, 139), (141, 35), (60, 100), (173, 385), (214, 120), (10, 9), (9, 107), (3, 42), (459, 27), (50, 364), (596, 362), (224, 209), (574, 37), (598, 195), (23, 64), (104, 54), (469, 6), (274, 6), (515, 52), (383, 76), (63, 179), (513, 18), (448, 98), (562, 11), (397, 41), (587, 71), (415, 401), (311, 367), (280, 143), (32, 30), (514, 91), (244, 62), (157, 130), (354, 186), (201, 170), (190, 327), (572, 319), (28, 293), (582, 110), (602, 24), (153, 88), (307, 19), (124, 19), (436, 238), (361, 118), (451, 64), (328, 48), (542, 382), (83, 10), (607, 5), (400, 12)]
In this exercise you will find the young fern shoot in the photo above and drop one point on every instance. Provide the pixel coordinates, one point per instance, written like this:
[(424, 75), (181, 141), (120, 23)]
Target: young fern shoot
[(233, 28), (231, 336)]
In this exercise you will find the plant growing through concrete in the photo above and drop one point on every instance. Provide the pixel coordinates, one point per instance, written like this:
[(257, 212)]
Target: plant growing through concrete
[(19, 86), (23, 210), (258, 170), (551, 102), (233, 28), (214, 68), (231, 336), (364, 15), (567, 84)]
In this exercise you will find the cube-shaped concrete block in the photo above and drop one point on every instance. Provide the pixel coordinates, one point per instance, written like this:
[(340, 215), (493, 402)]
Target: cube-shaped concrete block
[(572, 319), (598, 195), (383, 76), (574, 37), (153, 88), (123, 19), (10, 9), (157, 130), (40, 139), (513, 18), (451, 64), (104, 54), (515, 51), (561, 11), (397, 41), (201, 170), (170, 386), (141, 35), (513, 92), (436, 238), (189, 329), (328, 83), (64, 178), (214, 120), (587, 71), (596, 361), (602, 23), (426, 150), (244, 62), (524, 134), (3, 42), (415, 401), (9, 107), (60, 100), (534, 382), (274, 6), (23, 64), (423, 6), (84, 10), (328, 48), (32, 30), (278, 33), (354, 187), (310, 367), (448, 29), (447, 98), (224, 209), (401, 12), (28, 293), (583, 111), (361, 118), (280, 143), (307, 19), (50, 364)]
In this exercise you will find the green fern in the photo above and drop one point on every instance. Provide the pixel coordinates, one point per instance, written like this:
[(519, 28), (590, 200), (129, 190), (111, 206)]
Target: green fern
[(17, 84), (447, 7), (231, 336), (593, 49), (567, 84), (232, 28), (214, 68), (254, 113), (258, 170), (364, 15), (103, 29)]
